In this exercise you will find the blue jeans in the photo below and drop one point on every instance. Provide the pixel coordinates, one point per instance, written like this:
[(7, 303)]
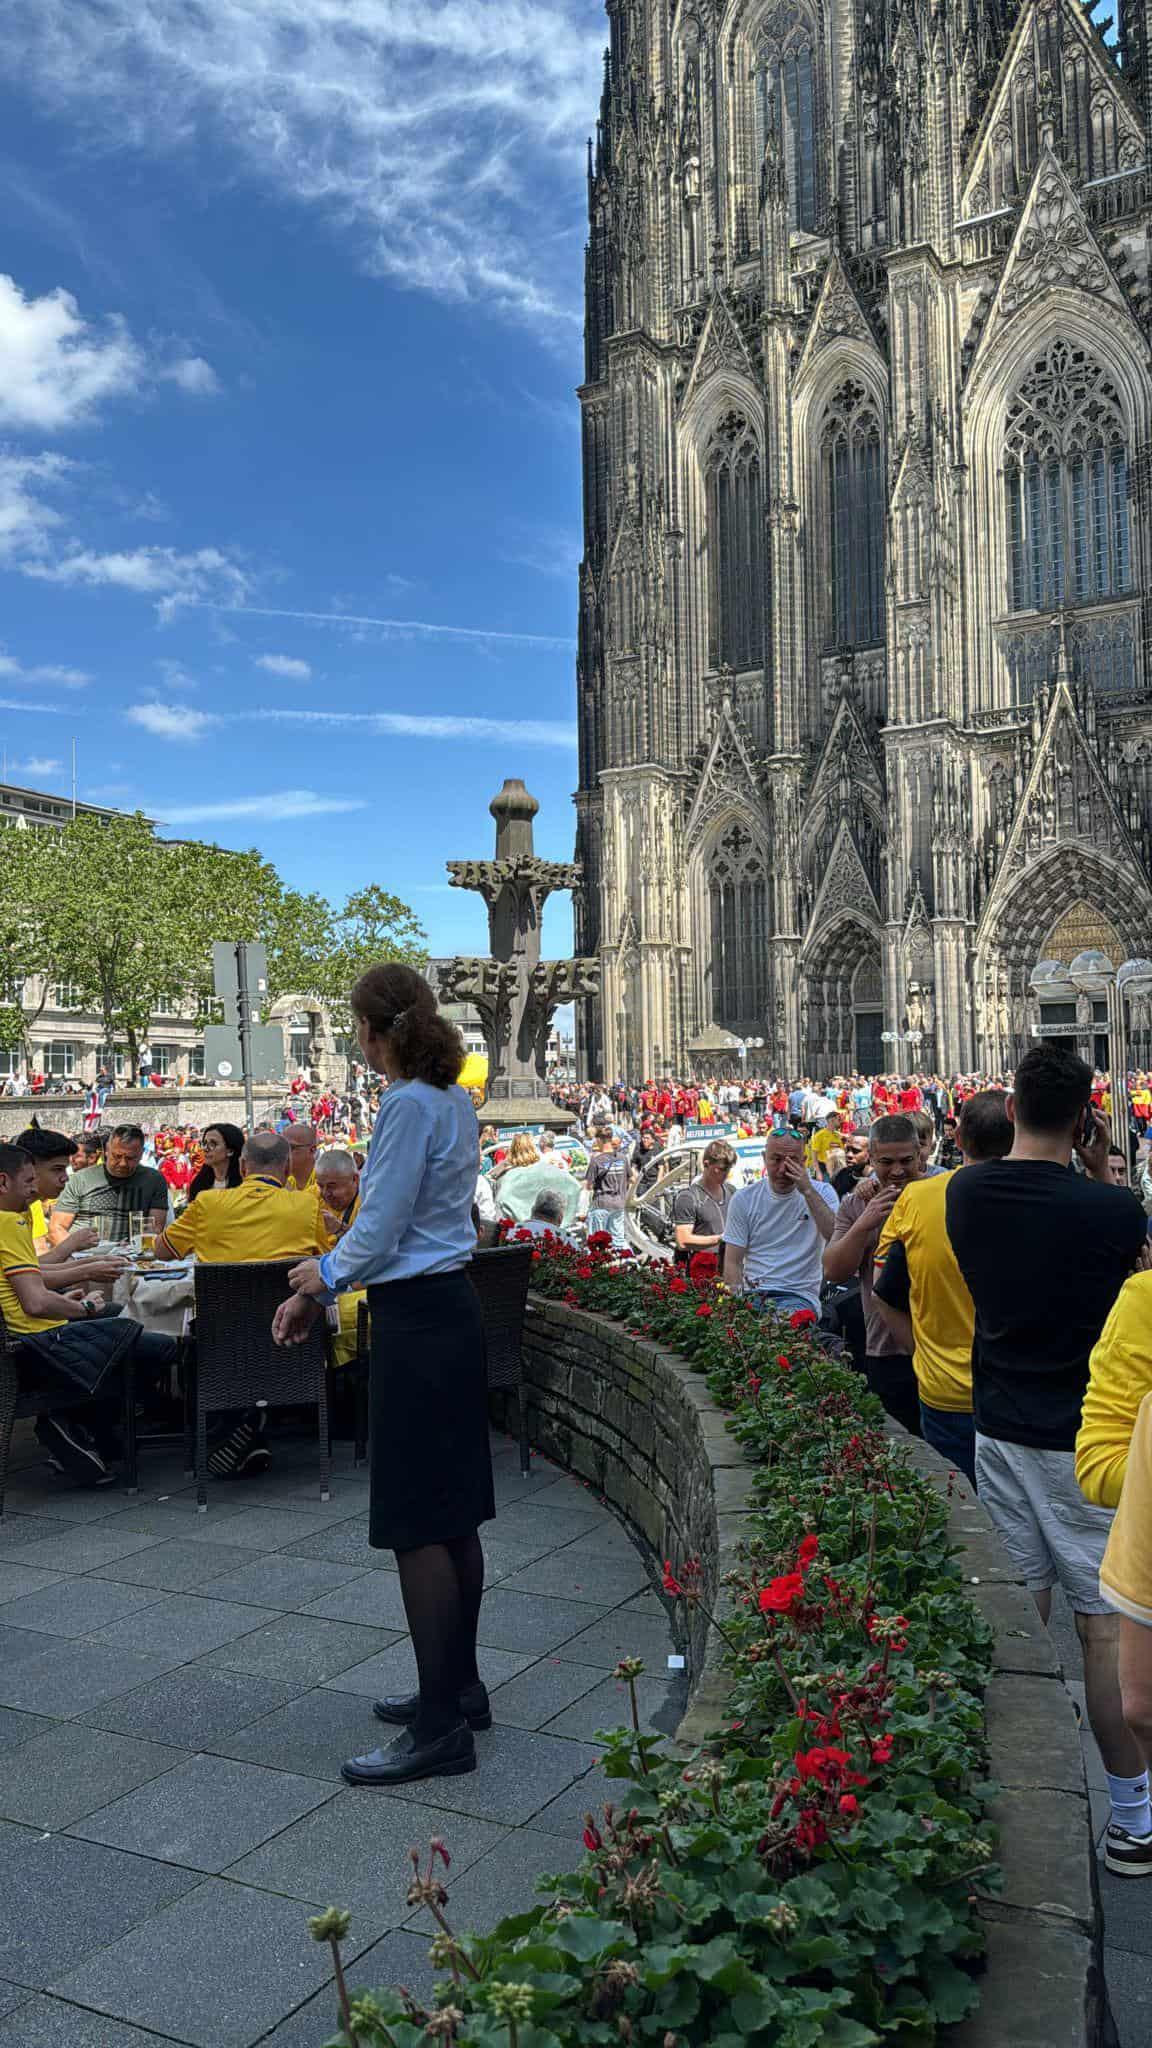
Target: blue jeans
[(611, 1220), (953, 1435), (778, 1301)]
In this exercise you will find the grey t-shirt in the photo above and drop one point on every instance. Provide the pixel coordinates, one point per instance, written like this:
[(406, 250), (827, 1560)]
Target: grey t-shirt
[(607, 1178), (703, 1213), (93, 1197)]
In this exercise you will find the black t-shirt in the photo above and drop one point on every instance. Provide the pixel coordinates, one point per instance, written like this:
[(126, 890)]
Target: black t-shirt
[(848, 1180), (1045, 1252), (704, 1213)]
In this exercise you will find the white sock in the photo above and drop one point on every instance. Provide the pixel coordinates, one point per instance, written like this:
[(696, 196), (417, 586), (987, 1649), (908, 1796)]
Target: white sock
[(1130, 1807)]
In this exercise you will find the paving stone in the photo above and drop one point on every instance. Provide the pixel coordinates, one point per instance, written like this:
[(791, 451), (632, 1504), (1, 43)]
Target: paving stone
[(1044, 1849), (40, 1492), (503, 1560), (1033, 1739), (565, 1491), (373, 1599), (589, 1793), (218, 1969), (80, 1550), (1129, 1981), (608, 1706), (622, 1634), (180, 1626), (65, 1679), (17, 1579), (18, 1728), (271, 1528), (519, 1621), (400, 1958), (11, 1995), (302, 1647), (284, 1582), (608, 1538), (18, 1531), (356, 1849), (543, 1691), (176, 1518), (511, 1486), (312, 1734), (503, 1882), (71, 1771), (49, 2023), (194, 1707), (599, 1581), (531, 1523), (204, 1814), (64, 1898), (1127, 1924), (175, 1567), (519, 1773), (394, 1670), (346, 1543), (17, 1647), (75, 1607)]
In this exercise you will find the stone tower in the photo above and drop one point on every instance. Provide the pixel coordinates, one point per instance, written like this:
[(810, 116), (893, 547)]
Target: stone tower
[(865, 670)]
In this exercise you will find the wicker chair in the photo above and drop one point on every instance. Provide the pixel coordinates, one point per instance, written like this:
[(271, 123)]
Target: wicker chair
[(16, 1406), (501, 1278), (239, 1366)]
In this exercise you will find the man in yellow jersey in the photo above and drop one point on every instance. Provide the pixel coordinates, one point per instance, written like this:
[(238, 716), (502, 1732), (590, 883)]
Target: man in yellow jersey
[(919, 1290), (338, 1186), (54, 1353), (302, 1164), (826, 1139), (263, 1218)]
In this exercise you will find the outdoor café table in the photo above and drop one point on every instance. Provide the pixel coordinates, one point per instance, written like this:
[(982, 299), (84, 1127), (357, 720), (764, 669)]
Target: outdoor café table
[(161, 1304)]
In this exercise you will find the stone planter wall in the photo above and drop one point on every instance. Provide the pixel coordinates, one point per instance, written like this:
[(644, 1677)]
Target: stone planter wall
[(639, 1425), (152, 1107)]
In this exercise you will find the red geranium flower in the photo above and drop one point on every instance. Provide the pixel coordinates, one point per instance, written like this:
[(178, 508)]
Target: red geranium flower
[(848, 1802), (677, 1284), (583, 1272), (671, 1583), (593, 1839), (599, 1240), (783, 1593), (703, 1309), (807, 1551), (803, 1318)]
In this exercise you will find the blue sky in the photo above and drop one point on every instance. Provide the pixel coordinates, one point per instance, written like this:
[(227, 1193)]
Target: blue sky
[(289, 453)]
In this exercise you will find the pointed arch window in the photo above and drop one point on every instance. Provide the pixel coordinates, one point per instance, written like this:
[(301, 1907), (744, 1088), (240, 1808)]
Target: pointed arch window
[(738, 899), (787, 90), (735, 546), (1066, 485), (852, 452)]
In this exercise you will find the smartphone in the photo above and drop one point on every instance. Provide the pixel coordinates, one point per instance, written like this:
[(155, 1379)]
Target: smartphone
[(1086, 1135)]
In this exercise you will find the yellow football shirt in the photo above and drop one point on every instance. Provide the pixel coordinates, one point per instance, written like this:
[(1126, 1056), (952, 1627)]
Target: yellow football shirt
[(1126, 1570), (943, 1318), (1119, 1378), (309, 1185), (258, 1220), (38, 1219), (347, 1305), (18, 1255)]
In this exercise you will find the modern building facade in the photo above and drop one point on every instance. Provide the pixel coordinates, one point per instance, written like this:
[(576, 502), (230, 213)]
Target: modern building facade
[(865, 673)]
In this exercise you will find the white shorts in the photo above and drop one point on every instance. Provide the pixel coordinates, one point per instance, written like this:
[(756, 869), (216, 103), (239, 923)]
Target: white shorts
[(1051, 1533)]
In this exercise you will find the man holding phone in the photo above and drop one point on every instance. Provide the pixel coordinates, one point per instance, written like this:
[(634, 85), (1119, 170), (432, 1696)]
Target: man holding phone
[(1045, 1251)]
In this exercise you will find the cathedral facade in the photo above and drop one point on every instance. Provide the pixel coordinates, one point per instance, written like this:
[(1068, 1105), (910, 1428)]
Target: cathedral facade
[(865, 668)]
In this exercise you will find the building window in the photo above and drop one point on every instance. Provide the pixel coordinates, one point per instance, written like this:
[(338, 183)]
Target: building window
[(114, 1059), (64, 995), (787, 101), (12, 991), (10, 1061), (167, 1006), (196, 1063), (60, 1059), (738, 894), (852, 451), (165, 1059), (1066, 485), (735, 546)]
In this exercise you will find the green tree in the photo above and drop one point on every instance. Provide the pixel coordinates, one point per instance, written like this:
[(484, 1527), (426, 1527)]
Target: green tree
[(128, 918)]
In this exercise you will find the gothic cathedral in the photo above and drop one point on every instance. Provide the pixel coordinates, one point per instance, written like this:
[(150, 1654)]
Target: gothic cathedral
[(865, 673)]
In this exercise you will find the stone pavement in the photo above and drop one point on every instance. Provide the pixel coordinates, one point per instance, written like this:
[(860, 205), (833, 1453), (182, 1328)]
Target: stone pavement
[(1127, 1902), (177, 1693)]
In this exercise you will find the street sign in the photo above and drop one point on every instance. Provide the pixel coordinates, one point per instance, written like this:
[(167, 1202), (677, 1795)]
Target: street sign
[(224, 977), (222, 1053), (1092, 1030)]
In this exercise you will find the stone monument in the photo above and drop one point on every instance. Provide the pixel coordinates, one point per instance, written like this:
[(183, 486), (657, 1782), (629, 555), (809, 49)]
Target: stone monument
[(516, 992)]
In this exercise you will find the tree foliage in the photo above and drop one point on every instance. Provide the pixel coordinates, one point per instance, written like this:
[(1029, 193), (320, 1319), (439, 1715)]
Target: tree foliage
[(129, 919)]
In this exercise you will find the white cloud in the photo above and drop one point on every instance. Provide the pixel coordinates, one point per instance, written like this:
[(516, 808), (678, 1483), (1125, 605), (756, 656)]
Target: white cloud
[(36, 764), (175, 579), (56, 367), (45, 672), (171, 721), (413, 628), (19, 704), (285, 665), (192, 375), (27, 520), (176, 722), (445, 134), (284, 803), (175, 676)]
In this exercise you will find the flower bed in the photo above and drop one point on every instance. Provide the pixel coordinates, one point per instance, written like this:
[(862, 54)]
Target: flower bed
[(807, 1878)]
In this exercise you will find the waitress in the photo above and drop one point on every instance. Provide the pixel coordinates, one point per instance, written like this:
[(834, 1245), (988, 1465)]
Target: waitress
[(431, 1480)]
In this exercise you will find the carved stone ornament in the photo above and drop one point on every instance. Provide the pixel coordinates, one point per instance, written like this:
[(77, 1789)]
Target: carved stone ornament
[(1054, 246)]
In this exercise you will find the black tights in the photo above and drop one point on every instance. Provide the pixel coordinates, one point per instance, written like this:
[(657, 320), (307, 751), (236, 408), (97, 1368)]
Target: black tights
[(443, 1585)]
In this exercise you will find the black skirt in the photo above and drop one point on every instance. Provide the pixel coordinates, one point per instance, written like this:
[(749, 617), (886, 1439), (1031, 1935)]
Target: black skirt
[(431, 1460)]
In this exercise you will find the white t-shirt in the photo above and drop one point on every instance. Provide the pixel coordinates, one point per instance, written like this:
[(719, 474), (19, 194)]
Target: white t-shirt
[(777, 1232)]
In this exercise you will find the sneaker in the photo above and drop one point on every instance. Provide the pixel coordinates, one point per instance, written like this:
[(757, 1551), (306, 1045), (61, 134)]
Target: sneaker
[(254, 1462), (72, 1452), (227, 1458), (1127, 1855)]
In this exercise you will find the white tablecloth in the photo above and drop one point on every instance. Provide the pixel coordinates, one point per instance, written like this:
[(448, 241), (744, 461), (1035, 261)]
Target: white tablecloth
[(158, 1305)]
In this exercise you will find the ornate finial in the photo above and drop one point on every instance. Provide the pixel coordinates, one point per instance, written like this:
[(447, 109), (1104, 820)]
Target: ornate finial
[(513, 808)]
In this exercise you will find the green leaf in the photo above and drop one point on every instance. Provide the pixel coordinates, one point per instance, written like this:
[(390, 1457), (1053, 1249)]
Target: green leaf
[(587, 1938)]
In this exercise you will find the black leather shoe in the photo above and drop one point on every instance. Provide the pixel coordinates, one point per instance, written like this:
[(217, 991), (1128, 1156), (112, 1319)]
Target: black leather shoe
[(474, 1705), (449, 1756)]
